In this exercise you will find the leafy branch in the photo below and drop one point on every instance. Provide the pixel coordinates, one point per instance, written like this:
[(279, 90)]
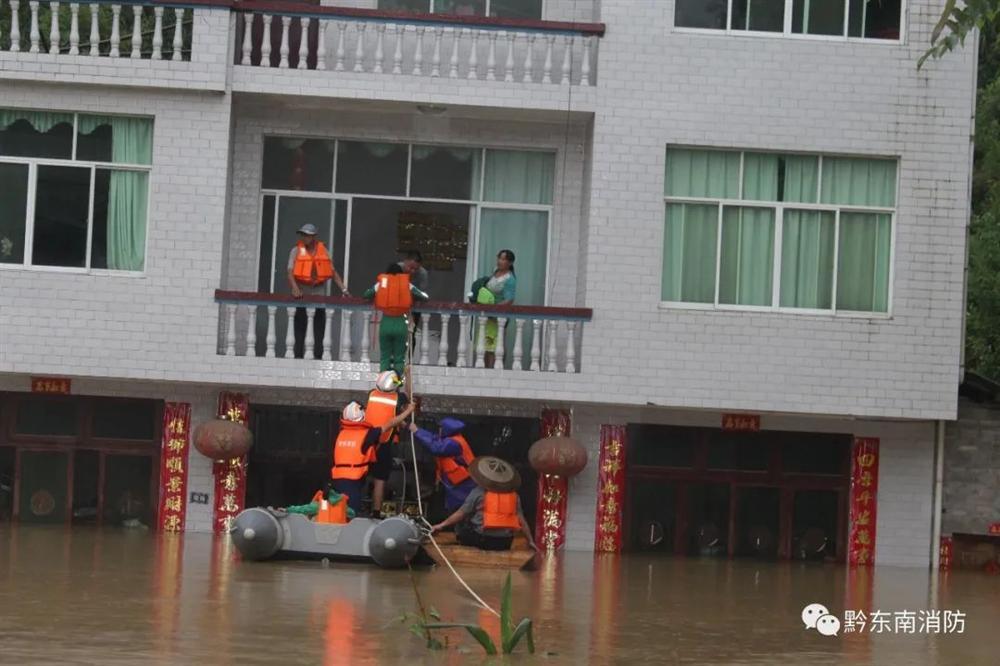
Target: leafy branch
[(956, 23)]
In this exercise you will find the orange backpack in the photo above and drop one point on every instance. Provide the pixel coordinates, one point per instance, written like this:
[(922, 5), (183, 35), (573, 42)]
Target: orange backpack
[(393, 295)]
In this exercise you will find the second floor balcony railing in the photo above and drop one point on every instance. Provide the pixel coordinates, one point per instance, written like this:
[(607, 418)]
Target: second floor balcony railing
[(449, 334), (300, 36)]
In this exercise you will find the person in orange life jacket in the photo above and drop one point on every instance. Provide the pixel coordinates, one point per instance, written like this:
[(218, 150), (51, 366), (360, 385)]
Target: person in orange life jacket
[(453, 455), (385, 402), (354, 451), (393, 295), (309, 270), (492, 511)]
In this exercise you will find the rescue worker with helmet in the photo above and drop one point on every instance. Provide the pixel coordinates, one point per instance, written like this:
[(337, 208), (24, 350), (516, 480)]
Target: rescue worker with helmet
[(393, 295), (309, 271), (452, 457), (492, 512), (355, 450), (385, 402)]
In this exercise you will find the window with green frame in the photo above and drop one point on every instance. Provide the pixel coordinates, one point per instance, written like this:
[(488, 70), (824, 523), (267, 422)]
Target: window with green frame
[(780, 231)]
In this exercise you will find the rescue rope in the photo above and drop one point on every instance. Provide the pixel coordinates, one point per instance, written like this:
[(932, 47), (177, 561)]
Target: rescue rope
[(416, 482)]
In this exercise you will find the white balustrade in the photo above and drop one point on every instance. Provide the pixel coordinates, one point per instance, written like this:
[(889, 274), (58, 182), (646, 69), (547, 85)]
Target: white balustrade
[(359, 51), (509, 64), (418, 52), (366, 324), (252, 331), (571, 347), (436, 57), (290, 333), (35, 35), (474, 56), (303, 44), (283, 48), (15, 28), (53, 28), (567, 51), (501, 343), (328, 335), (309, 344), (74, 29), (552, 330), (379, 48), (136, 32), (443, 348), (231, 330), (536, 347), (480, 342), (550, 43), (397, 56), (517, 362), (341, 29), (265, 46), (425, 346), (272, 332), (247, 39), (453, 61), (178, 45), (345, 336), (158, 34), (462, 349), (116, 35), (491, 58)]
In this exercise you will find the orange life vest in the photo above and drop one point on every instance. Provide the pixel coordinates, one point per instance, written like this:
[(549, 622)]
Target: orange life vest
[(330, 513), (500, 510), (392, 295), (456, 472), (348, 460), (381, 409), (310, 268)]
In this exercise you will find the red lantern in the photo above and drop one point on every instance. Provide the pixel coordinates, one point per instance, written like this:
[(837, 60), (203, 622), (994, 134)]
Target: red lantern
[(563, 456), (222, 440)]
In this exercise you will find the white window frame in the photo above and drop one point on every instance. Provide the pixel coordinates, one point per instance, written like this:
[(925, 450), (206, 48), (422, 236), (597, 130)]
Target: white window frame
[(477, 205), (488, 8), (29, 232), (788, 33), (779, 208)]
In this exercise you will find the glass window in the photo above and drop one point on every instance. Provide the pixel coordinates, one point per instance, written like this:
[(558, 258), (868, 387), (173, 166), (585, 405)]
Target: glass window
[(134, 419), (700, 14), (61, 210), (874, 19), (440, 172), (689, 250), (521, 9), (94, 145), (45, 416), (516, 176), (858, 181), (702, 173), (746, 266), (815, 454), (863, 262), (118, 233), (119, 139), (13, 211), (372, 168), (662, 446), (460, 7), (416, 6), (36, 134), (760, 15), (807, 251), (298, 164), (738, 451), (818, 18)]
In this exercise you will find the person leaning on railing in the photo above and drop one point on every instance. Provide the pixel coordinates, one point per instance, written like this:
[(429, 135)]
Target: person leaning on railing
[(309, 269), (498, 288)]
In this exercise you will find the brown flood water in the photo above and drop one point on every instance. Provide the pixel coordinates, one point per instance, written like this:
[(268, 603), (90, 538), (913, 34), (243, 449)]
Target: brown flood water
[(111, 597)]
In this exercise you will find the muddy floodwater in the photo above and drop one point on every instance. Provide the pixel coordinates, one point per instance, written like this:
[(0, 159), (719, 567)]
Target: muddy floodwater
[(114, 597)]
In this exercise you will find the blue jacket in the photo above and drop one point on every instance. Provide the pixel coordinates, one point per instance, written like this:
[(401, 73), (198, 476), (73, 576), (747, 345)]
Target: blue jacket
[(442, 446)]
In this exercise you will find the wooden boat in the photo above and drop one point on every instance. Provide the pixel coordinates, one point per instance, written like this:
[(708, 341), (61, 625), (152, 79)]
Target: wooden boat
[(520, 555)]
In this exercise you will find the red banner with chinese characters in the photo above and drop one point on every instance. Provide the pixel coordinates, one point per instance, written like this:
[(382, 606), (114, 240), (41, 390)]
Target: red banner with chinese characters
[(173, 466), (610, 490), (741, 422), (864, 500), (230, 475), (947, 547), (55, 385), (550, 516)]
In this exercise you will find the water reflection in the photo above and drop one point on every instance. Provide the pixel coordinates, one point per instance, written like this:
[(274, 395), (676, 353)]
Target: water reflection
[(89, 596)]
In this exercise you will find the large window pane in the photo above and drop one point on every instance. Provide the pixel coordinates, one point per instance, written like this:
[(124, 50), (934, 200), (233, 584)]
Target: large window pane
[(857, 181), (119, 229), (460, 7), (62, 204), (117, 139), (522, 9), (689, 248), (761, 176), (514, 176), (863, 262), (439, 172), (876, 19), (293, 212), (43, 487), (702, 173), (372, 168), (13, 205), (298, 164), (700, 14), (799, 176), (418, 6), (807, 249), (36, 134), (746, 269), (45, 416), (762, 15), (133, 419), (818, 17)]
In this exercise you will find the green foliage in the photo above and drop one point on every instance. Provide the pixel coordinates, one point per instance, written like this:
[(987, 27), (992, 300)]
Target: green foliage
[(956, 23)]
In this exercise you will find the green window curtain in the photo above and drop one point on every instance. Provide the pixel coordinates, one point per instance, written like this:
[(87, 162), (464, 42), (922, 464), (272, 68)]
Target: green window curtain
[(853, 181), (760, 176), (514, 176), (525, 233), (689, 249), (42, 121), (863, 262), (702, 173), (131, 143), (747, 262), (807, 245), (801, 178)]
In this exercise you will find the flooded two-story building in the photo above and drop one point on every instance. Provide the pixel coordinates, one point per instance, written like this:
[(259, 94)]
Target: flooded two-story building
[(739, 233)]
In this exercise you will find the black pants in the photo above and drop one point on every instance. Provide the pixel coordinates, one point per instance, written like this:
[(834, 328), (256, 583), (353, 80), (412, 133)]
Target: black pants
[(319, 328), (469, 537)]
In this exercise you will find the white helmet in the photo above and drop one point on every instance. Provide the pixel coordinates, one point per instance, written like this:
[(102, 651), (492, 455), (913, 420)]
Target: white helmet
[(353, 412), (388, 381)]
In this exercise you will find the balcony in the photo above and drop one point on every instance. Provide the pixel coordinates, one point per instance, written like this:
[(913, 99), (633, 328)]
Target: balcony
[(538, 339)]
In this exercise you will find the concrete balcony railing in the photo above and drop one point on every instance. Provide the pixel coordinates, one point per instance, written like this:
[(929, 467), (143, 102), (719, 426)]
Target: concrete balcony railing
[(270, 35), (449, 334)]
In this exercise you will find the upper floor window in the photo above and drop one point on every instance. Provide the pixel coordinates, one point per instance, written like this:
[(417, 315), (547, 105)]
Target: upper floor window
[(867, 19), (769, 230), (520, 9), (74, 189)]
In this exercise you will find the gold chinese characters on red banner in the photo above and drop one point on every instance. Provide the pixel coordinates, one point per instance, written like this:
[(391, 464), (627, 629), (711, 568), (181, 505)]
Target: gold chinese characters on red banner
[(945, 551), (54, 385), (610, 490), (741, 422), (173, 466), (550, 516), (864, 501), (230, 475)]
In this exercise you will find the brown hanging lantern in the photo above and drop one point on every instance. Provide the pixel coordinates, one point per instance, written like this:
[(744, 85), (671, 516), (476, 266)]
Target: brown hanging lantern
[(222, 439), (563, 456)]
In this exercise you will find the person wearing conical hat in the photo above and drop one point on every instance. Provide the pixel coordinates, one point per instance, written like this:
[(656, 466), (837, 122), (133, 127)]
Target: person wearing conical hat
[(492, 512)]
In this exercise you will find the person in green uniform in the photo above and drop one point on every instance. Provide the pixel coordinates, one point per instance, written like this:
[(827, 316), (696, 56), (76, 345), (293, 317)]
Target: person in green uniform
[(393, 330)]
